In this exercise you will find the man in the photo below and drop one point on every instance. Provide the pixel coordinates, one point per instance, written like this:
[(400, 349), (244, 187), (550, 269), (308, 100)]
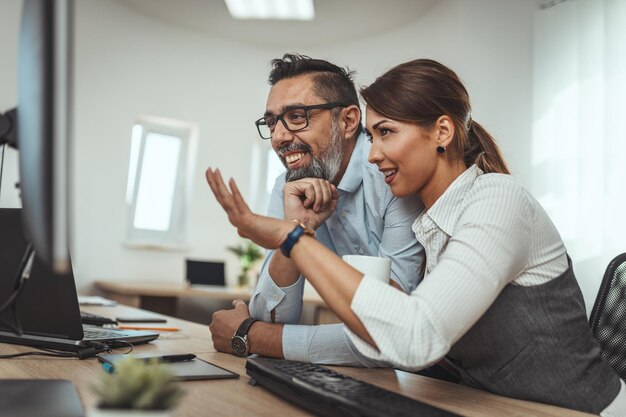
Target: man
[(313, 119)]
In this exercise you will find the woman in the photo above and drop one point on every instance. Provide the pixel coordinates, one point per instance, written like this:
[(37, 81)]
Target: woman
[(499, 299)]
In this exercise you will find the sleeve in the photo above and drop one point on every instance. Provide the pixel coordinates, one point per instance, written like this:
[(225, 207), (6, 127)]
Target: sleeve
[(489, 248), (267, 296), (398, 241), (324, 344), (330, 344)]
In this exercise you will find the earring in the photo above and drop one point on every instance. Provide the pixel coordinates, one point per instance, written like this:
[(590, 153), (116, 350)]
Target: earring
[(440, 149)]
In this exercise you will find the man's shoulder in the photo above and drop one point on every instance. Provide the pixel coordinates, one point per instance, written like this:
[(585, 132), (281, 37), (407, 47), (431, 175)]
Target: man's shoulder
[(373, 178), (279, 182)]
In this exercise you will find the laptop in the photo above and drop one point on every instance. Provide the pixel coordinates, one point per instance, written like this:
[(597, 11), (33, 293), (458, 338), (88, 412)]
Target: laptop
[(48, 308), (202, 273)]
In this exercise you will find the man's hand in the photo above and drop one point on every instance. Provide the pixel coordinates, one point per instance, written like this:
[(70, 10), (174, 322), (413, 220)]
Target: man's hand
[(264, 231), (310, 200), (225, 323)]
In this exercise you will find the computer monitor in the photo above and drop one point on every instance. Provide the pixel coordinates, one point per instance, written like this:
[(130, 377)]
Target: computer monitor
[(44, 128)]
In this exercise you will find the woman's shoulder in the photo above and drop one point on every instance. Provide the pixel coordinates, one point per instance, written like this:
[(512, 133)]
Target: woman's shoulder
[(499, 191), (499, 183)]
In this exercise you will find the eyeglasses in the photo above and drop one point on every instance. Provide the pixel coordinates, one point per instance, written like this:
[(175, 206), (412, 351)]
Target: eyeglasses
[(294, 119)]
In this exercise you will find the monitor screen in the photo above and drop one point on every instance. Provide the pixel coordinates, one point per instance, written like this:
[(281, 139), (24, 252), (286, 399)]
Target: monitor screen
[(44, 126)]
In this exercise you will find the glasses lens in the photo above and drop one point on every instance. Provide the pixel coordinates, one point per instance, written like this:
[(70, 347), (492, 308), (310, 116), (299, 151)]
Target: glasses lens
[(296, 119), (263, 128)]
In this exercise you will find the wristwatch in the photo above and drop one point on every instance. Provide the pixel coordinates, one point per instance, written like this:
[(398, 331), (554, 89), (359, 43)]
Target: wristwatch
[(294, 236), (239, 341)]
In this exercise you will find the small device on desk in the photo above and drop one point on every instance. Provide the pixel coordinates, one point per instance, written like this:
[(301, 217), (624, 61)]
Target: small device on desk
[(329, 393), (185, 367)]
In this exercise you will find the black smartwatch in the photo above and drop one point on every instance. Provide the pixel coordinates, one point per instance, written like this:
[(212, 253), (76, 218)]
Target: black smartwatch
[(239, 342), (294, 236)]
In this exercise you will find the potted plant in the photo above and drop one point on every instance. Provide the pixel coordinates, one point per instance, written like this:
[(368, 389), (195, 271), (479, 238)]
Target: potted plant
[(136, 388), (248, 254)]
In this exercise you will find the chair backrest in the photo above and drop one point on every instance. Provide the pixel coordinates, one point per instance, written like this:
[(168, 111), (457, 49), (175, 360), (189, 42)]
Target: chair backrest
[(608, 317)]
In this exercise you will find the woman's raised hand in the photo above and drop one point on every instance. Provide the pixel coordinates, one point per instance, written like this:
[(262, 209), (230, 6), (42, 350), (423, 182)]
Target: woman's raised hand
[(265, 231)]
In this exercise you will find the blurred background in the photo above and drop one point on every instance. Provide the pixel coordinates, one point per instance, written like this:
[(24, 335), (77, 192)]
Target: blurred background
[(546, 78)]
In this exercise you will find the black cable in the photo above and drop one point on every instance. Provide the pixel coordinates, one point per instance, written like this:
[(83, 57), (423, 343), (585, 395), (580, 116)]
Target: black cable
[(130, 345), (33, 353), (81, 354), (2, 167), (22, 276)]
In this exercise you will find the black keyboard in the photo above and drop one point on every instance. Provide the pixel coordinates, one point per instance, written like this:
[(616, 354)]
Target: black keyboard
[(94, 319), (328, 393)]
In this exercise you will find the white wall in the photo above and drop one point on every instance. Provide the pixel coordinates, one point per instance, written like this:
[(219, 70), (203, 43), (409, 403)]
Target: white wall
[(9, 26), (488, 43), (128, 65)]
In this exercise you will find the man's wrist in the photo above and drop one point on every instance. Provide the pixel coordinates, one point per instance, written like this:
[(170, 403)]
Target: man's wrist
[(240, 342), (266, 339)]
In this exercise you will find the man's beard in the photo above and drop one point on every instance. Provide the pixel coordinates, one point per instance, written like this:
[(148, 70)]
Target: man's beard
[(326, 166)]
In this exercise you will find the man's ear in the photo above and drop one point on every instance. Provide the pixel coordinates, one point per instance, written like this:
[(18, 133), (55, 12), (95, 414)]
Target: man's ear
[(445, 131), (350, 120)]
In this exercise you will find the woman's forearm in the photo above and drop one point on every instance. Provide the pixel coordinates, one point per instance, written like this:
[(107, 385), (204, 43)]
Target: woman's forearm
[(334, 280)]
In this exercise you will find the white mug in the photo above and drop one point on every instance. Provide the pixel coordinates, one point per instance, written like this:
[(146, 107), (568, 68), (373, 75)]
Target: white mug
[(372, 266)]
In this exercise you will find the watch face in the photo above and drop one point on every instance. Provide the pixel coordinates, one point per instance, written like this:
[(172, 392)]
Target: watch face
[(239, 345)]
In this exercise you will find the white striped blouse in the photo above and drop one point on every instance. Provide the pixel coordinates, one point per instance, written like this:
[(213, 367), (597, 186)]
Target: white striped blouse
[(483, 233)]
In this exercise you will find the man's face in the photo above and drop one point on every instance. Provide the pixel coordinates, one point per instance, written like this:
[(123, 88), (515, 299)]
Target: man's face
[(315, 152)]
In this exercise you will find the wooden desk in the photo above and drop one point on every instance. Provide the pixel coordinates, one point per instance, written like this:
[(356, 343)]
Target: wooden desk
[(234, 397), (163, 297)]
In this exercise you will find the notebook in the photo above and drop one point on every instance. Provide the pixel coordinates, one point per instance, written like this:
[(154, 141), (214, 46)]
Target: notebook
[(48, 306)]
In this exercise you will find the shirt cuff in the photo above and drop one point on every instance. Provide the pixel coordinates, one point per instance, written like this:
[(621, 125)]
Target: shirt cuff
[(285, 301), (271, 293), (295, 343)]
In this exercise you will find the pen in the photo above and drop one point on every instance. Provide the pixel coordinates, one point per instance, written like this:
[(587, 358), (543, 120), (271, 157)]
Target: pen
[(158, 329), (177, 358)]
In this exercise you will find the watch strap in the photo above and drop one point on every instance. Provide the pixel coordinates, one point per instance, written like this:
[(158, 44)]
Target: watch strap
[(244, 327), (294, 236)]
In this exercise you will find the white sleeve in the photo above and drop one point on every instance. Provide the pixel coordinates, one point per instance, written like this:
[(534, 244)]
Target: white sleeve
[(267, 296), (488, 249)]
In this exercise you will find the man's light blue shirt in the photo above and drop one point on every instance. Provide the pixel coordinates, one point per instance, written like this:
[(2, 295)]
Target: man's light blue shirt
[(368, 220)]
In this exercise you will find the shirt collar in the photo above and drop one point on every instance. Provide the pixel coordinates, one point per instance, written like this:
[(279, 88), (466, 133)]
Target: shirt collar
[(353, 176), (445, 212)]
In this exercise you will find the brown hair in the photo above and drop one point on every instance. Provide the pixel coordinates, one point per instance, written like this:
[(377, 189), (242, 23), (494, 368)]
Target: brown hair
[(423, 90)]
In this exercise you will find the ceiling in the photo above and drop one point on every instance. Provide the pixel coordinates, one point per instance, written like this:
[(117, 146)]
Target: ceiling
[(343, 20)]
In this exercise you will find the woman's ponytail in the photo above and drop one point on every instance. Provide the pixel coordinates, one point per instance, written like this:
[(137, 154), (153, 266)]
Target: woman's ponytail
[(483, 150)]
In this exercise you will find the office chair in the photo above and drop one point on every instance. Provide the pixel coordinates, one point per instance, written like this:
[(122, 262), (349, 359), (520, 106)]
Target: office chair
[(608, 317)]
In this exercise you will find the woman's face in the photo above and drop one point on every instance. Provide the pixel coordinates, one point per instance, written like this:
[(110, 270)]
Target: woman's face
[(404, 152)]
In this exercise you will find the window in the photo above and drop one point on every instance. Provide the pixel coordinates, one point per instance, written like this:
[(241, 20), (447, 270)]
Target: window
[(266, 166), (158, 193)]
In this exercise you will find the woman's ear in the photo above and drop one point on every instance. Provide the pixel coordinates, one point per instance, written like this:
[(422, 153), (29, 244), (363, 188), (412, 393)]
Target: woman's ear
[(351, 119), (445, 131)]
